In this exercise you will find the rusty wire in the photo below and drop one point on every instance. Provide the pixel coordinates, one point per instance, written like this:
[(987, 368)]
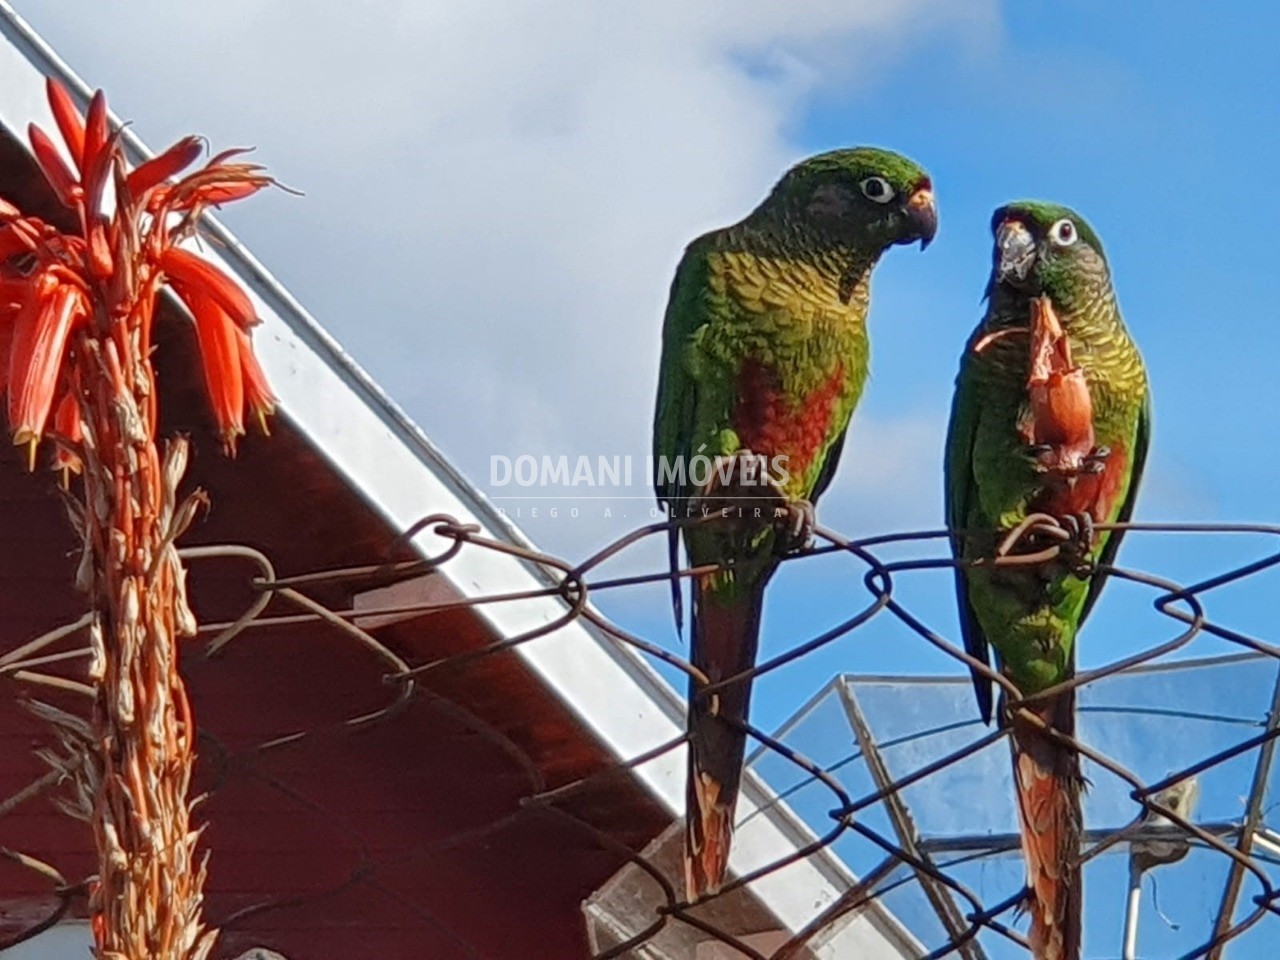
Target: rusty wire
[(961, 911)]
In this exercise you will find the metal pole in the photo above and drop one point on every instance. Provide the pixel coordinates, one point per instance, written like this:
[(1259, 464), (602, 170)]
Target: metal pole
[(1131, 906)]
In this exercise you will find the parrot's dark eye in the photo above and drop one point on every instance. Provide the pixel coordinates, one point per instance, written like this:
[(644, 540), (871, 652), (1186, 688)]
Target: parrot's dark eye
[(877, 189), (1063, 233)]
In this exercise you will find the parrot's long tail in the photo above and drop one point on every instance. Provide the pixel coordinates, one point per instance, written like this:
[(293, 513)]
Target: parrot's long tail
[(1049, 784), (726, 631)]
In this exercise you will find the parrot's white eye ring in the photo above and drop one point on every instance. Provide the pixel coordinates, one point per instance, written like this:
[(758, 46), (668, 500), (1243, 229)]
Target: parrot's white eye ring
[(877, 189), (1064, 232)]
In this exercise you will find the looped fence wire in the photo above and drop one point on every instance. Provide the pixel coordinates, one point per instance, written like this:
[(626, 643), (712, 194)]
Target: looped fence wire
[(962, 912)]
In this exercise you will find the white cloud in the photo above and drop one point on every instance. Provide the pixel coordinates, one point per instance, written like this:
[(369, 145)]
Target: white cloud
[(497, 193), (890, 475)]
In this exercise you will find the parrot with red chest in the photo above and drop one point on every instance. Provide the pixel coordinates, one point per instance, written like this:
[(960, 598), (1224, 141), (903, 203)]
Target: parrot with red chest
[(764, 357), (1051, 417)]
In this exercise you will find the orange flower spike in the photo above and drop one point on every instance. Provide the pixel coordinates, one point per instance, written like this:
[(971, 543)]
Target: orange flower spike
[(217, 182), (259, 401), (220, 358), (196, 275), (99, 150), (66, 418), (70, 123), (95, 131), (220, 193), (22, 334), (33, 382), (97, 248), (69, 431), (158, 197), (52, 166), (29, 231), (101, 263), (158, 169)]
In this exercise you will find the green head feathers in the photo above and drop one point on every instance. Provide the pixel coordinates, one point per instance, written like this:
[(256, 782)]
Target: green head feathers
[(864, 196), (1046, 248)]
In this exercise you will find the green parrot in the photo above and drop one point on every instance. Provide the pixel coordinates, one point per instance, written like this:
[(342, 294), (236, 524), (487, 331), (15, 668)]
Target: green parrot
[(764, 357), (1051, 416)]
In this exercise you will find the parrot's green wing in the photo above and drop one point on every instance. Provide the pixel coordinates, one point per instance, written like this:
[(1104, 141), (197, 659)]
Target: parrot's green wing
[(958, 470), (688, 311), (828, 471), (1139, 461)]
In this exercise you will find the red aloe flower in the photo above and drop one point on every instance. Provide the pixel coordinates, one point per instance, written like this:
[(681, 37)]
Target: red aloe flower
[(70, 123), (168, 164), (68, 429), (99, 269), (41, 331), (223, 376), (55, 171), (190, 275), (258, 398)]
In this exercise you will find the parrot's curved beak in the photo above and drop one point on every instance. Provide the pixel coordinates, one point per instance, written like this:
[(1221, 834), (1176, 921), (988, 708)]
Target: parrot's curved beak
[(922, 212), (1015, 252)]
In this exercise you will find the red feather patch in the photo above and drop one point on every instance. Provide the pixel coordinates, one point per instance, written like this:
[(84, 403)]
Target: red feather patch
[(772, 423)]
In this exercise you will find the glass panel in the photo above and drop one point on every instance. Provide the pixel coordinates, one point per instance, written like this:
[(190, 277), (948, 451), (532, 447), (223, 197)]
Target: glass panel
[(1152, 722)]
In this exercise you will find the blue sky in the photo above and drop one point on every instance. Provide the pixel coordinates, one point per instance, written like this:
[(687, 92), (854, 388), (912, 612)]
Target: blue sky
[(1157, 123), (498, 192), (1164, 146)]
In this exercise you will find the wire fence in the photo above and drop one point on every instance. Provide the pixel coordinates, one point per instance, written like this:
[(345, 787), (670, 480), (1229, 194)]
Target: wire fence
[(1249, 894)]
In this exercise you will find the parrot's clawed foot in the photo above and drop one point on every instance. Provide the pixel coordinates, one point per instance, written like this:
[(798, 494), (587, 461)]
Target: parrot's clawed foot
[(744, 504), (1076, 549), (741, 490), (1067, 463), (1040, 454), (797, 521), (1096, 461), (1080, 526), (736, 482)]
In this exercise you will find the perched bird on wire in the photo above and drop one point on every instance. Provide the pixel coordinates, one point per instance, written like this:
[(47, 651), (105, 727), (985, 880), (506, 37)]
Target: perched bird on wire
[(1048, 439), (764, 358)]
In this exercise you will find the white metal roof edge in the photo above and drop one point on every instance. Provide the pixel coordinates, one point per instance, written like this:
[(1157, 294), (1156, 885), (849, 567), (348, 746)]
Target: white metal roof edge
[(403, 476)]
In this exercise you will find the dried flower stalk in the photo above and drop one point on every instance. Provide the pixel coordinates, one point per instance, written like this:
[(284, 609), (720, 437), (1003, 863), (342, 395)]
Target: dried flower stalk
[(76, 312)]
